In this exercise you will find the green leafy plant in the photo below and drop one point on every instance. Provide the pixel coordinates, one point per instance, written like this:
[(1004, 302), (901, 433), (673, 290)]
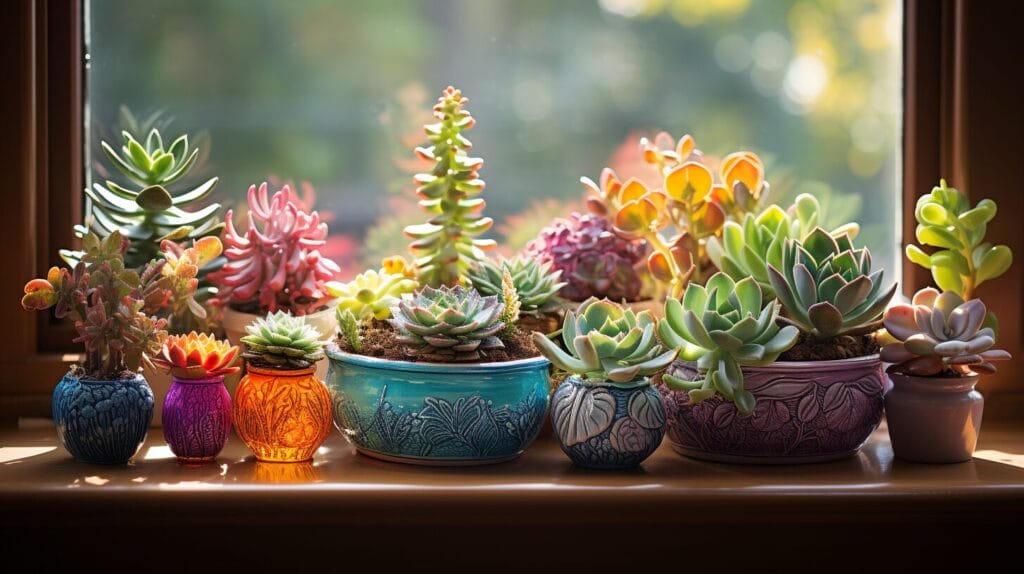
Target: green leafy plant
[(607, 342), (447, 245), (144, 210), (448, 323), (827, 287), (724, 326), (372, 294), (349, 328), (962, 260), (940, 334), (283, 341), (535, 282)]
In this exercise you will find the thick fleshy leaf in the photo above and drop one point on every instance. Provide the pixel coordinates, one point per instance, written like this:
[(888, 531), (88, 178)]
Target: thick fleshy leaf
[(689, 183), (636, 216), (825, 318), (994, 262)]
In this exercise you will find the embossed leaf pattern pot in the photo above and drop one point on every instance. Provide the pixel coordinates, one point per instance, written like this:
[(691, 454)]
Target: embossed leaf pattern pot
[(282, 416), (607, 425), (102, 422), (806, 412), (438, 414), (197, 418), (934, 419)]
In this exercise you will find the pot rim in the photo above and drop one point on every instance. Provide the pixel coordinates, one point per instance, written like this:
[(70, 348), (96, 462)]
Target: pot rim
[(250, 368), (634, 384), (94, 381), (808, 366), (212, 380), (935, 383), (336, 354)]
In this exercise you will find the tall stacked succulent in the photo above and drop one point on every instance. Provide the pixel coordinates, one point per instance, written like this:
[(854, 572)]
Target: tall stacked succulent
[(940, 334), (275, 264), (112, 306), (447, 244), (607, 342), (724, 326), (145, 210), (448, 323), (536, 284), (283, 341), (593, 260), (827, 287), (962, 260)]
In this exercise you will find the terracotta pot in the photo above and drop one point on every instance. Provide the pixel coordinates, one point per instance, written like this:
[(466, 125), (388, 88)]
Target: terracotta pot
[(547, 323), (934, 419), (234, 323), (809, 411)]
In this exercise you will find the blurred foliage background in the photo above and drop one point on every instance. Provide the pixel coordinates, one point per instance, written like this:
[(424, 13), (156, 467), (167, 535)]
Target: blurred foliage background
[(331, 94)]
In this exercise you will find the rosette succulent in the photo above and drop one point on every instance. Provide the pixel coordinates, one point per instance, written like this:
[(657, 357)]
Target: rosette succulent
[(827, 287), (724, 326), (607, 342), (593, 260), (536, 284), (283, 341), (448, 323), (940, 333), (195, 356), (372, 294)]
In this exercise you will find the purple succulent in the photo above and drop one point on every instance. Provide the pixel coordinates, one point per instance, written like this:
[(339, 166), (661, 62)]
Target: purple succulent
[(594, 261)]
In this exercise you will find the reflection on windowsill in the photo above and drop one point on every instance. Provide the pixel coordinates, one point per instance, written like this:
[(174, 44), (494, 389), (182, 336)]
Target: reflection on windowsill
[(1002, 457), (15, 454)]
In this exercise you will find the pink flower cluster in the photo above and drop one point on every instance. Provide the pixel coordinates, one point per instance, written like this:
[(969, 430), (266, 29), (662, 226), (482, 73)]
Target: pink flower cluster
[(276, 264)]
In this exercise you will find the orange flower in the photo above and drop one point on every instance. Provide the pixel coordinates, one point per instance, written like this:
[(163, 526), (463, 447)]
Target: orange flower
[(196, 356)]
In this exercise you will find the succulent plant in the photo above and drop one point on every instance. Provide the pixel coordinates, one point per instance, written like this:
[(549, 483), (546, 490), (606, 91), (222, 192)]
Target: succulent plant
[(275, 265), (195, 356), (593, 260), (512, 301), (607, 342), (447, 244), (112, 307), (182, 267), (283, 341), (724, 326), (535, 282), (145, 210), (372, 294), (940, 333), (448, 323), (747, 249), (962, 260), (827, 287), (349, 329)]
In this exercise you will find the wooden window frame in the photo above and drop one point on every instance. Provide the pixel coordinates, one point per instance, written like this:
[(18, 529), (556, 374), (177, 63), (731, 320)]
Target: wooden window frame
[(946, 134)]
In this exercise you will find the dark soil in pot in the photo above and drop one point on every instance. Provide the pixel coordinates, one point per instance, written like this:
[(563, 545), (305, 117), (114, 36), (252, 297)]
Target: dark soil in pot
[(808, 348), (380, 341)]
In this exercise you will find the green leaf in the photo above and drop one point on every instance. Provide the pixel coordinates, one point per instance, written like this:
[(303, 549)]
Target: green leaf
[(994, 263), (950, 260), (948, 279), (154, 199), (826, 319), (932, 214), (980, 215), (938, 237), (139, 156), (917, 256)]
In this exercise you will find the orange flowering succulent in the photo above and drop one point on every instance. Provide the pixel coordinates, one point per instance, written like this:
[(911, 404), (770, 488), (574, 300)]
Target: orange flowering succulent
[(196, 356)]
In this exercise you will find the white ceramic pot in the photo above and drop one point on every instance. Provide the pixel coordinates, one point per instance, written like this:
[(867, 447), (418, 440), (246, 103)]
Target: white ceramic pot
[(234, 323)]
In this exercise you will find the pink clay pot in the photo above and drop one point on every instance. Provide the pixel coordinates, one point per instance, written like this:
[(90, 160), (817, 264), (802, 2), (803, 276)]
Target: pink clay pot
[(934, 419)]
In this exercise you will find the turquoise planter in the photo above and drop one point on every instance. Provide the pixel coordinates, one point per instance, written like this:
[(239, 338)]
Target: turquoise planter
[(438, 414)]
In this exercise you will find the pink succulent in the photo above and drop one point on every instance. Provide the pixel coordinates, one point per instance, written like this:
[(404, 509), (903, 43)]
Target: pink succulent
[(276, 264)]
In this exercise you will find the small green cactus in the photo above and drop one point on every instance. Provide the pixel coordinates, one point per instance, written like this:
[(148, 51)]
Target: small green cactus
[(448, 323), (283, 341)]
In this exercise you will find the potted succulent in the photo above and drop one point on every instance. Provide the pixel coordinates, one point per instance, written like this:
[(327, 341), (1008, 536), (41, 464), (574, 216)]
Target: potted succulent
[(606, 414), (944, 341), (536, 286), (282, 410), (102, 408), (197, 409)]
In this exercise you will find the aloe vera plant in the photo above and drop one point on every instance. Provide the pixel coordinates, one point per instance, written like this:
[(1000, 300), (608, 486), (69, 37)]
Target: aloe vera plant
[(724, 326)]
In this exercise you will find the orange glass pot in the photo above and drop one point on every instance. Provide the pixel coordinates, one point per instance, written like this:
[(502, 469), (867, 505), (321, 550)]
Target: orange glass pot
[(282, 416)]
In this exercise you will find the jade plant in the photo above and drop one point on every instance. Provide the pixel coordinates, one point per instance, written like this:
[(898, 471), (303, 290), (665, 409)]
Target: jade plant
[(448, 244), (113, 307), (724, 326), (961, 260), (535, 283), (197, 356), (448, 324), (275, 264), (282, 341), (607, 342), (145, 208), (940, 334)]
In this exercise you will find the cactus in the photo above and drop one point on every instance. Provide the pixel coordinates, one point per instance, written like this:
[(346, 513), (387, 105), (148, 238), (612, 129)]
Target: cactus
[(724, 326), (282, 341), (448, 323), (372, 294), (536, 284), (195, 356), (607, 342)]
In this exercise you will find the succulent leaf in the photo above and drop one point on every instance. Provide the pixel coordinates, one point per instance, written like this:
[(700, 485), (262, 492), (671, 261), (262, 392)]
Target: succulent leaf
[(283, 341), (448, 324)]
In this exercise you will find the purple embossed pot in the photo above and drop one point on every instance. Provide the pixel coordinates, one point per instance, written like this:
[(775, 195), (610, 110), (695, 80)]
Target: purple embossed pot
[(934, 419), (808, 411), (197, 418)]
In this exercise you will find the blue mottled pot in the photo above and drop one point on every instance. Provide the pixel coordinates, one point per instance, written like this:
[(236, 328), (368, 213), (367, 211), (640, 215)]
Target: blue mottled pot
[(102, 422), (607, 425), (438, 414)]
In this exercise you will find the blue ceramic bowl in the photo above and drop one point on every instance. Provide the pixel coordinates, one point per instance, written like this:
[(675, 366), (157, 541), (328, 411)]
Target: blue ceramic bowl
[(102, 422), (438, 414)]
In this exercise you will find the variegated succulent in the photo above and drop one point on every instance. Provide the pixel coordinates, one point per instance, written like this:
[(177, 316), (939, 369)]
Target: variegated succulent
[(372, 294), (724, 326), (535, 282), (827, 288), (607, 342), (940, 333), (448, 324), (283, 341)]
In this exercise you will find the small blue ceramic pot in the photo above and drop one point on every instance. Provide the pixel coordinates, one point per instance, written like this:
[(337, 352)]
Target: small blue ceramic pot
[(607, 425), (102, 422), (438, 413)]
